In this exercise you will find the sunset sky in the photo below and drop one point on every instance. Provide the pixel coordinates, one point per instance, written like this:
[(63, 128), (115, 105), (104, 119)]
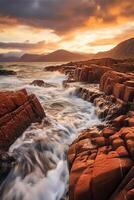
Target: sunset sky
[(42, 26)]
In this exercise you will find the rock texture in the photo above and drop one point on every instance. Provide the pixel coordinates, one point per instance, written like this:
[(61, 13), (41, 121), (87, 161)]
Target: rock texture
[(41, 83), (107, 107), (120, 85), (101, 159), (101, 162), (90, 74), (6, 164), (17, 111), (7, 72)]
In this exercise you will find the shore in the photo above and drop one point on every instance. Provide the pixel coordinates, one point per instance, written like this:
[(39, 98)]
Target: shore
[(101, 156)]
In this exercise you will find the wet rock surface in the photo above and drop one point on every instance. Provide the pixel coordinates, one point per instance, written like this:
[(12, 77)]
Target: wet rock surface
[(6, 164), (120, 85), (107, 107), (41, 83), (17, 111), (7, 72), (101, 159), (101, 163)]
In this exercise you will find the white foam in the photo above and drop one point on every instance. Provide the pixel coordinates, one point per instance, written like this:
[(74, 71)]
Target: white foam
[(41, 172)]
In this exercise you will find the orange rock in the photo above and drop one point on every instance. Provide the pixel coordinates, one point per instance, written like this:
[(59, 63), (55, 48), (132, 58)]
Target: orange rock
[(107, 132), (17, 112), (122, 152), (119, 121), (131, 121), (117, 143), (99, 141), (129, 94), (118, 90)]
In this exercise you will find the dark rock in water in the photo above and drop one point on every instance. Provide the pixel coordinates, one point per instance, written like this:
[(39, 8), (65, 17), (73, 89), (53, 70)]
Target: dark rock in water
[(6, 164), (41, 83), (17, 111), (107, 107), (7, 72)]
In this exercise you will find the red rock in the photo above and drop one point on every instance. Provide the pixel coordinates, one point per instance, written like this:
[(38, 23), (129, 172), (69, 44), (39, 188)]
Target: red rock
[(119, 121), (99, 141), (107, 175), (131, 121), (122, 152), (129, 94), (129, 83), (118, 90), (121, 85), (17, 111), (97, 175), (107, 132), (117, 143)]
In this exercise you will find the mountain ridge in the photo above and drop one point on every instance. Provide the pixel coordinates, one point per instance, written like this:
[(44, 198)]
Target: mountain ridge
[(123, 50)]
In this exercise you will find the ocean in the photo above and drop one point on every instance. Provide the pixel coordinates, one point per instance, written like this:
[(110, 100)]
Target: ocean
[(41, 171)]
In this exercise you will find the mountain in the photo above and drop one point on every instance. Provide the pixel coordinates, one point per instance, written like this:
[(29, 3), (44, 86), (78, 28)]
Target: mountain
[(8, 58), (29, 58), (123, 50), (56, 56), (63, 55)]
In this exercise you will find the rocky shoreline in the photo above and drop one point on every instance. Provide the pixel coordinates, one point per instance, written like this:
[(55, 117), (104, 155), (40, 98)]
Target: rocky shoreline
[(17, 111), (101, 159)]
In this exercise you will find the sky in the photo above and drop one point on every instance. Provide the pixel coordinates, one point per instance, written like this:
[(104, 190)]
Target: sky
[(43, 26)]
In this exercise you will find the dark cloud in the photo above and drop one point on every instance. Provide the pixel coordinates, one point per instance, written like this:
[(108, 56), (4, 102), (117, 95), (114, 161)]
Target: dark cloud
[(22, 46), (62, 15)]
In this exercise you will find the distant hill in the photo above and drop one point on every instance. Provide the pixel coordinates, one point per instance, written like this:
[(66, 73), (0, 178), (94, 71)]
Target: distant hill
[(29, 58), (123, 50), (63, 55), (8, 58), (56, 56)]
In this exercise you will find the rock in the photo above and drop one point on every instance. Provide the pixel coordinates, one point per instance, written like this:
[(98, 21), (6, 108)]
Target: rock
[(131, 121), (125, 190), (4, 72), (90, 74), (107, 107), (6, 164), (107, 132), (119, 121), (118, 90), (39, 83), (128, 94), (17, 111), (97, 171), (121, 85)]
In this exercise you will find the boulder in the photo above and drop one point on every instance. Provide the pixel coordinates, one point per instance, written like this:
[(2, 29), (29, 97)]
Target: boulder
[(90, 74), (121, 85), (17, 111), (39, 83), (103, 168), (4, 72)]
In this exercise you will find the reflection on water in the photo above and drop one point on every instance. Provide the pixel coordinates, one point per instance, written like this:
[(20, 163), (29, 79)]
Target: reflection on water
[(41, 170)]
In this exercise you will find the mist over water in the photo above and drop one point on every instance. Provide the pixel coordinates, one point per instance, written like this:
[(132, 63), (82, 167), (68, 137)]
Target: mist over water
[(41, 171)]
